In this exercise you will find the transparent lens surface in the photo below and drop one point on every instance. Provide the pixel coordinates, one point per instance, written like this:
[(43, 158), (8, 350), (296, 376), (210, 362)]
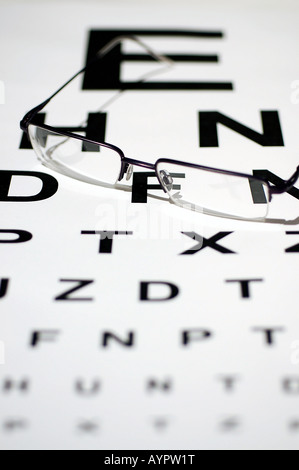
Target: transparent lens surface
[(212, 192), (75, 157)]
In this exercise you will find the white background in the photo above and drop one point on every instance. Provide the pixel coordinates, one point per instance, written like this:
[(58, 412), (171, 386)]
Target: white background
[(41, 45)]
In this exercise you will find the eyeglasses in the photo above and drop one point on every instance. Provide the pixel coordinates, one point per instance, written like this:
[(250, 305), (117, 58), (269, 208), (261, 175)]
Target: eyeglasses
[(200, 188)]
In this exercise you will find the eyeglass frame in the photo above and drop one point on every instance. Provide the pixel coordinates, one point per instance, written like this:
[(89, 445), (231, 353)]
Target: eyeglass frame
[(281, 188)]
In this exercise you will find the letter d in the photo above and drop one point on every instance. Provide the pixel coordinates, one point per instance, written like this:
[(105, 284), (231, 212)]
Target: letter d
[(49, 186), (172, 291)]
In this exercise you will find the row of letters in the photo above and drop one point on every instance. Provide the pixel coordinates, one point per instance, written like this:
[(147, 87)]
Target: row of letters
[(106, 240), (93, 426), (146, 289), (89, 388), (139, 188), (188, 338), (208, 129)]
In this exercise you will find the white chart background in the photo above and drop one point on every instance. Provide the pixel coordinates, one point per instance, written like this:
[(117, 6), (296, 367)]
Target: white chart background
[(41, 45)]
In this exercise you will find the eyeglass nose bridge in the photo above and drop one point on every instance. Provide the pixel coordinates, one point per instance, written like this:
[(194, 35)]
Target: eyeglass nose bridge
[(166, 180), (129, 172), (126, 169)]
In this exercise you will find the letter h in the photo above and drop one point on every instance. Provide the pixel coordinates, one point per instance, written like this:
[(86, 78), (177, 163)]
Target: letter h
[(94, 130)]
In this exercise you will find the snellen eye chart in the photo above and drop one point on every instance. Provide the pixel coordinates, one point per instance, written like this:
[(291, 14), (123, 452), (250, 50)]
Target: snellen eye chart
[(126, 321)]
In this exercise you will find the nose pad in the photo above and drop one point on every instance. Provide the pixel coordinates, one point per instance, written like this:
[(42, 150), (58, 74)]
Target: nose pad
[(129, 172), (166, 179)]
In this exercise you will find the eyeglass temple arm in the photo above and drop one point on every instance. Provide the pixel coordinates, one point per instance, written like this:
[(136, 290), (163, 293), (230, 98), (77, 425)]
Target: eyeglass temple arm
[(285, 185), (100, 54), (30, 115)]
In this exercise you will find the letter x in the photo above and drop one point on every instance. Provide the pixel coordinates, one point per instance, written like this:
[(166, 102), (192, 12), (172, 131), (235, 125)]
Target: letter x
[(205, 242)]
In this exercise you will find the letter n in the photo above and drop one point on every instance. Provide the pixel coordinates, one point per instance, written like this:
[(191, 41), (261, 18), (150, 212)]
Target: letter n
[(270, 137)]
